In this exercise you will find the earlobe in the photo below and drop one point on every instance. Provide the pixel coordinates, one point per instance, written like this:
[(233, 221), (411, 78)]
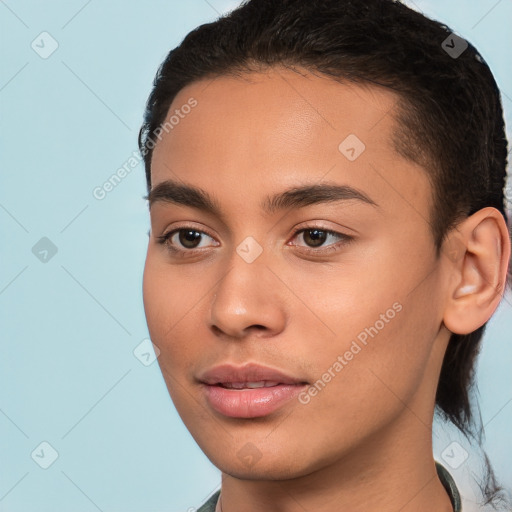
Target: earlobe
[(480, 273)]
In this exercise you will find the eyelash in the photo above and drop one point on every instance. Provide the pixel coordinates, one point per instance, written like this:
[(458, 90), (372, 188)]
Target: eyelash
[(183, 253)]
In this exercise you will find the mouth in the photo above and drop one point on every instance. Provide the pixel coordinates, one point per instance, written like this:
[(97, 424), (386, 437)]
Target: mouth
[(249, 385), (250, 391)]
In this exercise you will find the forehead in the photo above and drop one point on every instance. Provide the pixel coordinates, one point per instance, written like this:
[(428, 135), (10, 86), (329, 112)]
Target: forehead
[(275, 112), (279, 128)]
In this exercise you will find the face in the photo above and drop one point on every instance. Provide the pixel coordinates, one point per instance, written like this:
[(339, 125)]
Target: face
[(335, 291)]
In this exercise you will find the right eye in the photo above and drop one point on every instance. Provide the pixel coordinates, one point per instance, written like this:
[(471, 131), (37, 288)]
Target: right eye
[(183, 240)]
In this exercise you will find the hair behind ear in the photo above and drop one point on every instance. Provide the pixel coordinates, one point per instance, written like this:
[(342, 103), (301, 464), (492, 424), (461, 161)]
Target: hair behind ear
[(457, 378)]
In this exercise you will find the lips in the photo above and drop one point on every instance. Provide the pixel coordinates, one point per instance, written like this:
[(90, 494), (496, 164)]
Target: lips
[(250, 373), (250, 391), (250, 385)]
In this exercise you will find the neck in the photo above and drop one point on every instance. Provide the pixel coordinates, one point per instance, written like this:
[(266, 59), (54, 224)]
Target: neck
[(386, 473)]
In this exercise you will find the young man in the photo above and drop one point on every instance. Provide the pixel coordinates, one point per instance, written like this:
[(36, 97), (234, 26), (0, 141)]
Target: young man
[(328, 240)]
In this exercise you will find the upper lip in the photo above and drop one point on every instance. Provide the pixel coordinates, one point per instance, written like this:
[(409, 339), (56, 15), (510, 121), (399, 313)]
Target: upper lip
[(250, 372)]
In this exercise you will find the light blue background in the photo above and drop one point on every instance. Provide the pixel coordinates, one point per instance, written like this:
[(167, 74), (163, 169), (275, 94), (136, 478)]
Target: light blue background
[(69, 326)]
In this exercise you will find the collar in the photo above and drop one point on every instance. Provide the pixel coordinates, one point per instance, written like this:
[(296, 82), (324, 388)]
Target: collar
[(449, 484)]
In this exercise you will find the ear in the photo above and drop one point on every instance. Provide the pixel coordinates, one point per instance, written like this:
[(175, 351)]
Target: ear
[(477, 253)]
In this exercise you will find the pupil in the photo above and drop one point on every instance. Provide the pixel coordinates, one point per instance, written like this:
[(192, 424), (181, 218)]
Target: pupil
[(189, 237), (317, 241)]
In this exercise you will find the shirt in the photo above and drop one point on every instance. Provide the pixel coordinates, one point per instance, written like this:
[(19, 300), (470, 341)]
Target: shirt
[(211, 505)]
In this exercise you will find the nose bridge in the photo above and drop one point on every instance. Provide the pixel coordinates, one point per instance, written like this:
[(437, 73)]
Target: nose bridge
[(246, 296)]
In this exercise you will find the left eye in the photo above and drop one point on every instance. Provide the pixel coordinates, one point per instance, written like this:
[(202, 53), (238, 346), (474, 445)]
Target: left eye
[(318, 236)]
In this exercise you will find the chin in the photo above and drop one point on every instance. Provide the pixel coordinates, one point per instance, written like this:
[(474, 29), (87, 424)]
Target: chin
[(246, 462), (260, 471)]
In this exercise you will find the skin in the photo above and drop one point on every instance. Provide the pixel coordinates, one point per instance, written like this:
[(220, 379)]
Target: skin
[(364, 442)]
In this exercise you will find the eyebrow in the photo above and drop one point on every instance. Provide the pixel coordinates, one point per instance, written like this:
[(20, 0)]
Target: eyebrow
[(171, 191)]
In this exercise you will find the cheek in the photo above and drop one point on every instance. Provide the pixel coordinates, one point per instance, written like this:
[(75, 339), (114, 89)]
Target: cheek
[(166, 308), (158, 305), (168, 302), (364, 378), (380, 336)]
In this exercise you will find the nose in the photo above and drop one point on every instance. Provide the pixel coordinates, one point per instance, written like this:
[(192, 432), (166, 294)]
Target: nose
[(248, 300)]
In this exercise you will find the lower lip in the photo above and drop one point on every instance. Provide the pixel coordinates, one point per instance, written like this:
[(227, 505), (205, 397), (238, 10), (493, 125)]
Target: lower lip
[(250, 403)]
